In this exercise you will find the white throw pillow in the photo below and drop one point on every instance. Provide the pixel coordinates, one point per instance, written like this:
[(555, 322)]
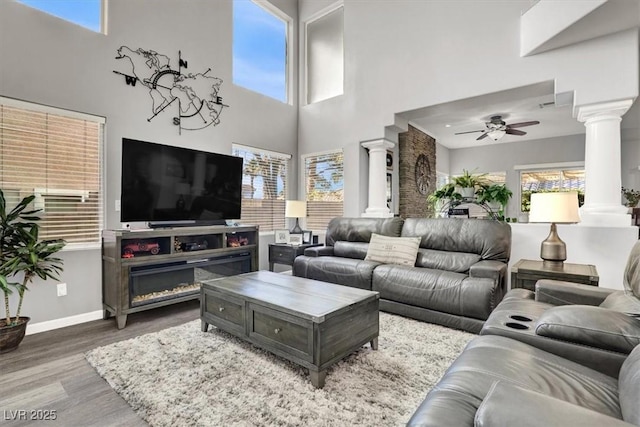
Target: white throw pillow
[(393, 250)]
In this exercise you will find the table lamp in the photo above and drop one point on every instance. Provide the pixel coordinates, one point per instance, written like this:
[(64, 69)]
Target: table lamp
[(556, 208), (296, 209)]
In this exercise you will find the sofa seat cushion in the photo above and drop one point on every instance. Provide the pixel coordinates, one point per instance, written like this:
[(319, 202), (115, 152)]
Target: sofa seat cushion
[(624, 302), (438, 290), (459, 262), (342, 271), (487, 359)]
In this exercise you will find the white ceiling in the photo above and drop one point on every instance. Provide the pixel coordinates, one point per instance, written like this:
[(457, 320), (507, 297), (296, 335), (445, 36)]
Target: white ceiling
[(534, 102)]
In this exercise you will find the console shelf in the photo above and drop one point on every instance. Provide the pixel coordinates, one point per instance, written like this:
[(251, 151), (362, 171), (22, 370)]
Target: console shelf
[(146, 269)]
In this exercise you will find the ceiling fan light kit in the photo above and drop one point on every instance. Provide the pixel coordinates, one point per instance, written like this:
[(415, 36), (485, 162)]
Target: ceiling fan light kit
[(497, 128)]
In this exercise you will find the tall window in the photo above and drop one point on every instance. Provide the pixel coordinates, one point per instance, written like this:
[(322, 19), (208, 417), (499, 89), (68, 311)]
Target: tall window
[(325, 56), (55, 155), (324, 184), (264, 187), (87, 13), (544, 181), (260, 46)]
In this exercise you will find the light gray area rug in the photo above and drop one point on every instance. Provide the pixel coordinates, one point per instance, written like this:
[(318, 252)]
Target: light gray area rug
[(184, 377)]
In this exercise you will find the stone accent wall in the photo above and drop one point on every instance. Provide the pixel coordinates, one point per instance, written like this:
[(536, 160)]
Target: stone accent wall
[(413, 204)]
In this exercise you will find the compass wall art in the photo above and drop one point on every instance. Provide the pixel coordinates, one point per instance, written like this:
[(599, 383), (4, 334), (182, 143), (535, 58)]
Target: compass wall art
[(193, 98)]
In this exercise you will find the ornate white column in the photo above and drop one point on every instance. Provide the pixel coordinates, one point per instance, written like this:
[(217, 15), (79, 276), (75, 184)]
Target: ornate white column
[(378, 178), (602, 163)]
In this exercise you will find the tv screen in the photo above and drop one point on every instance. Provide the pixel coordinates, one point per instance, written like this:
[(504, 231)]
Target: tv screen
[(164, 184)]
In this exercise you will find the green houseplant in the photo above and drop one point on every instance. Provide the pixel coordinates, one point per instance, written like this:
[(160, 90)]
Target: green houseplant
[(495, 193), (23, 256), (632, 196), (468, 183)]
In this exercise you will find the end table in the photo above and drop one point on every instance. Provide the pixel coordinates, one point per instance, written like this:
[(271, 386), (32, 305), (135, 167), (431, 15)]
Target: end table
[(525, 273), (280, 253)]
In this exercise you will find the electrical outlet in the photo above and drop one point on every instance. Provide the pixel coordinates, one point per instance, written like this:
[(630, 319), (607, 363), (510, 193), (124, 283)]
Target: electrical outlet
[(117, 205), (62, 289)]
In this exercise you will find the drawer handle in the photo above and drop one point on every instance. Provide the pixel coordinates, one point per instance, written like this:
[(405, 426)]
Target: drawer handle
[(221, 309), (277, 330)]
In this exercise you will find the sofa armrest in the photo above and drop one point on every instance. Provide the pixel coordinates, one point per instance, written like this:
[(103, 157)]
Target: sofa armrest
[(317, 251), (591, 326), (557, 292), (489, 269), (510, 405)]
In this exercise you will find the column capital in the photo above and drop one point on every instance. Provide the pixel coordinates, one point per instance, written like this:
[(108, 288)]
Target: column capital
[(613, 109), (380, 144)]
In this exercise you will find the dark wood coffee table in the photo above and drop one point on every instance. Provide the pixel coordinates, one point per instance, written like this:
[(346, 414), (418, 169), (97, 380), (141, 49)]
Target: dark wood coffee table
[(311, 323)]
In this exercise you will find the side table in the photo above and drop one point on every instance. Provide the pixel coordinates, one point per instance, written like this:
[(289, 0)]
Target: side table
[(525, 273), (280, 253)]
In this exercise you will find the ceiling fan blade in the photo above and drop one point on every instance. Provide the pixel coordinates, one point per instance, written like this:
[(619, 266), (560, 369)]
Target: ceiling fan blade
[(515, 132), (523, 124), (471, 131), (483, 136)]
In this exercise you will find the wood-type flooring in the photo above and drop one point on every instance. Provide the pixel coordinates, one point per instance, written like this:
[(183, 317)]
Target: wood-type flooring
[(48, 376)]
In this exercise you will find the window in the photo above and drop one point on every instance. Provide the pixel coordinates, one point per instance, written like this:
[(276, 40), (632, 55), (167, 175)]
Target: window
[(260, 46), (324, 184), (264, 187), (87, 13), (542, 181), (55, 155), (325, 56)]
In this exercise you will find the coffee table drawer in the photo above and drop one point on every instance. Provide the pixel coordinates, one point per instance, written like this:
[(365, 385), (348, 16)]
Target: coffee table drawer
[(282, 331), (227, 309)]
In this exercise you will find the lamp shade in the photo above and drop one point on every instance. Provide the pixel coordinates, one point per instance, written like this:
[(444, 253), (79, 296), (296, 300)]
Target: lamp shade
[(559, 207), (295, 209)]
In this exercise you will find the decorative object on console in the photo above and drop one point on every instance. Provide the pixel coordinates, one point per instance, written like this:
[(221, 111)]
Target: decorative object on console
[(281, 236), (295, 239), (306, 236), (204, 109), (556, 208), (296, 209), (632, 196)]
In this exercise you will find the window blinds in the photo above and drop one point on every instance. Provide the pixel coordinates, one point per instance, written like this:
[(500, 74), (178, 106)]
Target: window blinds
[(264, 187), (324, 184), (56, 156)]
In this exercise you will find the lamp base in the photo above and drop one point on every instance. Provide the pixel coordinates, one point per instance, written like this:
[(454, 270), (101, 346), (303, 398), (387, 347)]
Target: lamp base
[(296, 229), (553, 250)]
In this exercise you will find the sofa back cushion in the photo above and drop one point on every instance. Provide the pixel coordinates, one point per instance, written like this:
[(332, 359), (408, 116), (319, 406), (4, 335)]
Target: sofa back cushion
[(360, 229), (487, 238), (629, 388), (460, 262)]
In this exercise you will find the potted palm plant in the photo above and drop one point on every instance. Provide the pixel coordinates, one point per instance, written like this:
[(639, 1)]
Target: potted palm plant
[(23, 257)]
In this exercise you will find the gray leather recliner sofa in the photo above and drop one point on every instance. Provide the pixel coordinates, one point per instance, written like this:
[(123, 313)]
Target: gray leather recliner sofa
[(498, 381), (458, 278)]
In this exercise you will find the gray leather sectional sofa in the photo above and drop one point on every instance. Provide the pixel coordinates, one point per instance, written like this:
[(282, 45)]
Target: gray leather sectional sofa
[(568, 355), (458, 278)]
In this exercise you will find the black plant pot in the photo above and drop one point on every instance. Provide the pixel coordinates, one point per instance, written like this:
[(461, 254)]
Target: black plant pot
[(11, 336)]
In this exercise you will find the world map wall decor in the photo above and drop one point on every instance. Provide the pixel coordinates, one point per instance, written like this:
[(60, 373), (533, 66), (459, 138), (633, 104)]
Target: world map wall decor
[(193, 97)]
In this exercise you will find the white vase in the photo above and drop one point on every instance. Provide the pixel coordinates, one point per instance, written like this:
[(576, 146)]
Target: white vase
[(467, 192)]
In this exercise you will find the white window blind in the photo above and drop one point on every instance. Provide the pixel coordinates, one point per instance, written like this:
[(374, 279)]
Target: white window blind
[(545, 181), (55, 155), (264, 187), (324, 184)]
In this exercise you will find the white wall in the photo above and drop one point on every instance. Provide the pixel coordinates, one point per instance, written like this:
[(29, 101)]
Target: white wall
[(404, 55), (50, 61)]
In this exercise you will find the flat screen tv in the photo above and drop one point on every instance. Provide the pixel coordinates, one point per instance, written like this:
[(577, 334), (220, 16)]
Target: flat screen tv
[(173, 186)]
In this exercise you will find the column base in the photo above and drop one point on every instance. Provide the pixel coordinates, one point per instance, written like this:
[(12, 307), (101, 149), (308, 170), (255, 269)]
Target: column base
[(377, 213), (604, 219)]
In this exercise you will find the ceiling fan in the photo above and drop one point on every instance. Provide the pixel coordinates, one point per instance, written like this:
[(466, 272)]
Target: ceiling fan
[(497, 128)]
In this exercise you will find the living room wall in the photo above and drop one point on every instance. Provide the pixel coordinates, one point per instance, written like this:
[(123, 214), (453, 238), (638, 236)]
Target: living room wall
[(49, 61), (404, 55)]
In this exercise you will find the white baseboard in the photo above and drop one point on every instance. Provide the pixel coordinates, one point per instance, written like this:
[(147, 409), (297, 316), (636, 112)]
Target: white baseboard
[(65, 321)]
